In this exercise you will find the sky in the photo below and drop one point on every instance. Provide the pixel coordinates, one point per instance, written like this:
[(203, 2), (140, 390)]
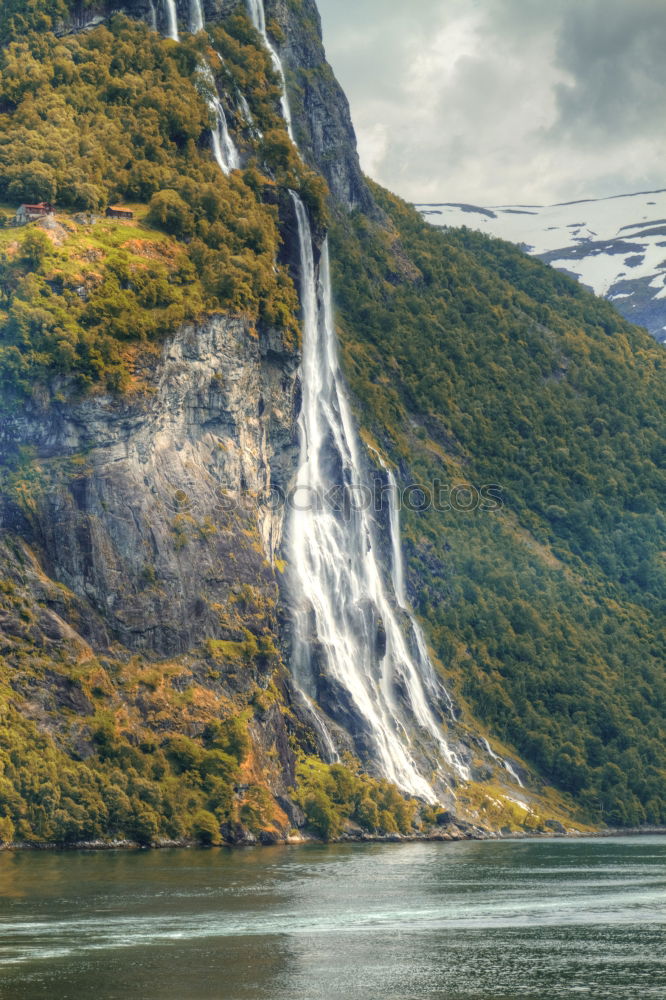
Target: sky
[(497, 102)]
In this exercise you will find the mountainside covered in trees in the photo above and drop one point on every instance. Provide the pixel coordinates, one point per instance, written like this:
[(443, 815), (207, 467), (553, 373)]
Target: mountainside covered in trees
[(615, 246), (146, 369)]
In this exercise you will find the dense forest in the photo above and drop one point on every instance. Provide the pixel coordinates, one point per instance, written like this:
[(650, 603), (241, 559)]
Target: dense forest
[(469, 363), (475, 365), (120, 114)]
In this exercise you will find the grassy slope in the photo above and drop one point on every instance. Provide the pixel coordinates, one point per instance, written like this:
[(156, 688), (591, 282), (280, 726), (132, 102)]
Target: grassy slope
[(119, 114), (474, 364)]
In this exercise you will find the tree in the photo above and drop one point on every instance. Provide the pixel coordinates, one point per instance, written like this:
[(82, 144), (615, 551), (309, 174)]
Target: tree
[(171, 213), (205, 828), (35, 248)]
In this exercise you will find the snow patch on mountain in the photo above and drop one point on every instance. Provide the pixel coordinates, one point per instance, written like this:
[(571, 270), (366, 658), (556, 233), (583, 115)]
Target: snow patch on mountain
[(615, 246)]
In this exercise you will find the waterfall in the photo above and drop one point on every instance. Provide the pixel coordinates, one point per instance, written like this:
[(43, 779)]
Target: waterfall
[(397, 567), (500, 760), (196, 17), (224, 149), (354, 639), (172, 20), (153, 16), (258, 18), (347, 632), (436, 690), (340, 600)]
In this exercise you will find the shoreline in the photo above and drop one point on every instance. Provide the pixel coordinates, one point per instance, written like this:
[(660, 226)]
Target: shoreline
[(442, 838)]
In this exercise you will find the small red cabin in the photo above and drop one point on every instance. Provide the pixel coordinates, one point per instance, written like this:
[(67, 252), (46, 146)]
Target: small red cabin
[(118, 212)]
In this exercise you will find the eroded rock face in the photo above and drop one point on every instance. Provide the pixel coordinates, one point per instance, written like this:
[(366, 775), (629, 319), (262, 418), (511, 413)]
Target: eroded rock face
[(152, 509), (320, 108)]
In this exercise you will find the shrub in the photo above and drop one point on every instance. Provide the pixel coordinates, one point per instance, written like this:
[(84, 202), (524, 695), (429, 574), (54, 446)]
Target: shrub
[(205, 828)]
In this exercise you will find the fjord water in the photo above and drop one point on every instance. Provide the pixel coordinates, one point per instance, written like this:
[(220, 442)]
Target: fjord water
[(548, 920)]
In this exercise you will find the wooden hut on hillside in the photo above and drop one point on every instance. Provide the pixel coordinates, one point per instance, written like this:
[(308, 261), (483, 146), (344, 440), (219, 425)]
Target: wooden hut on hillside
[(119, 212), (28, 213)]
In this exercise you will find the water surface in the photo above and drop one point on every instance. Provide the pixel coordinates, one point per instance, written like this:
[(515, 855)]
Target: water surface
[(550, 920)]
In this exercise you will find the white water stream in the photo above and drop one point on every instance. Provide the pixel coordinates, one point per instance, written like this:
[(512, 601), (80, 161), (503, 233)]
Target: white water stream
[(353, 634), (172, 19), (258, 18), (345, 623), (224, 149), (197, 19)]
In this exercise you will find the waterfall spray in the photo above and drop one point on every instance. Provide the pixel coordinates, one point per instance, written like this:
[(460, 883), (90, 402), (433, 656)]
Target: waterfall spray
[(172, 20), (197, 20)]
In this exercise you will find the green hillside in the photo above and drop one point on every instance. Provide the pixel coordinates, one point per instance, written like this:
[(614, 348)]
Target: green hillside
[(119, 114), (469, 362), (475, 364)]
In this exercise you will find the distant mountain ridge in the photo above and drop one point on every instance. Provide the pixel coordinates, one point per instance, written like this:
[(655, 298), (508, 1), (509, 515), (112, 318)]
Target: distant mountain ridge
[(616, 246)]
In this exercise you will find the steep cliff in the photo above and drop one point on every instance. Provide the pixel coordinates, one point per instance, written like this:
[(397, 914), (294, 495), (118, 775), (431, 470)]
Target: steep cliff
[(323, 126), (151, 387), (150, 396), (320, 108)]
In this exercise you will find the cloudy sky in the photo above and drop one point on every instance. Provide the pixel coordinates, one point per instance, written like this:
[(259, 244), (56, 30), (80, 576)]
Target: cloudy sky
[(505, 101)]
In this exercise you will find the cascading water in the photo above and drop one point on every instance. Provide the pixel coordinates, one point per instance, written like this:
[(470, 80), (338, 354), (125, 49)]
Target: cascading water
[(197, 20), (258, 18), (224, 149), (172, 19), (249, 117), (436, 690), (341, 605), (500, 760)]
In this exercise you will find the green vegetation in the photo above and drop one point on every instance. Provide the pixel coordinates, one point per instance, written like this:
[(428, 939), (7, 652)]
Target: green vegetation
[(333, 795), (119, 114), (471, 364), (154, 788), (475, 364)]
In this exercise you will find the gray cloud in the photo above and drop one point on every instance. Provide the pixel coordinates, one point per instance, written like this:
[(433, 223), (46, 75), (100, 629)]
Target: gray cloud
[(615, 54), (499, 101)]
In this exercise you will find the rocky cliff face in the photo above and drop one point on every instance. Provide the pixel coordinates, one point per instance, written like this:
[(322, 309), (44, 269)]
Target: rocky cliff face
[(141, 534), (324, 128), (153, 509)]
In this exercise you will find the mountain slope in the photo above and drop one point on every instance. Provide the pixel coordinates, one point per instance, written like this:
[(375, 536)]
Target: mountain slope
[(149, 414), (475, 365), (615, 246)]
